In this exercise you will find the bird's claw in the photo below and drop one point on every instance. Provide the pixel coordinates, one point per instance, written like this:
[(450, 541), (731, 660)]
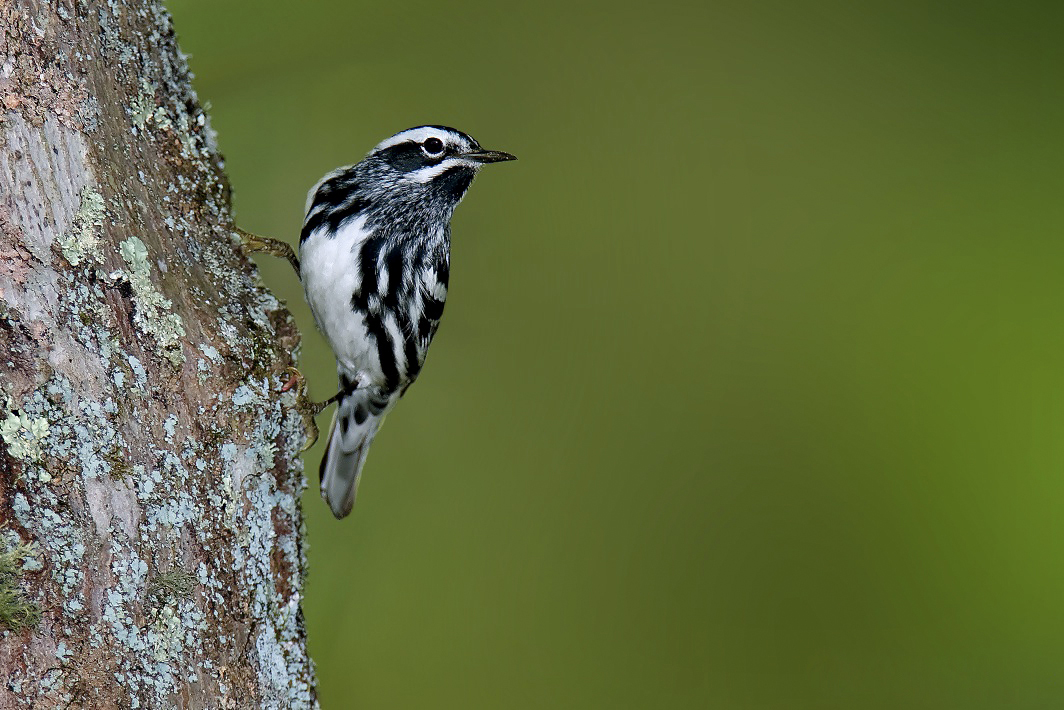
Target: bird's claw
[(295, 378), (311, 428), (307, 409)]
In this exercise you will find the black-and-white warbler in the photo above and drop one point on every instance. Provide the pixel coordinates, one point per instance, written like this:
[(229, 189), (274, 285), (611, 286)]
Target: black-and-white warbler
[(374, 259)]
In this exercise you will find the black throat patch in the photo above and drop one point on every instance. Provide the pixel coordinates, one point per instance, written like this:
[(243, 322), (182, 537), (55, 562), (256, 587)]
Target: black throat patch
[(454, 182)]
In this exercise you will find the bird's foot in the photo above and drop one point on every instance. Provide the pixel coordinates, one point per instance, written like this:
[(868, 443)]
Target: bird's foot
[(304, 405), (266, 245), (295, 379)]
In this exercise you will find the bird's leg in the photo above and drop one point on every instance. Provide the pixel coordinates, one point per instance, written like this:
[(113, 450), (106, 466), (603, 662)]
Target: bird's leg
[(307, 408), (274, 247), (296, 379)]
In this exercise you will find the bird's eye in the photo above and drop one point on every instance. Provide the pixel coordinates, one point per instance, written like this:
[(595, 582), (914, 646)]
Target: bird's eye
[(433, 146)]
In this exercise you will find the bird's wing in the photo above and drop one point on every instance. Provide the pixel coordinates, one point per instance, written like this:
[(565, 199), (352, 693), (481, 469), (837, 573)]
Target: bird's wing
[(425, 310)]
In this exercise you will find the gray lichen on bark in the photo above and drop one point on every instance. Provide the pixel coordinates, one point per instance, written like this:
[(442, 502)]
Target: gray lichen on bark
[(147, 457)]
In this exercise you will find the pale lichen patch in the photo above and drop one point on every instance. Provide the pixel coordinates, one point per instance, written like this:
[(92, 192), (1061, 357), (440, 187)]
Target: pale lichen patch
[(211, 352), (82, 240), (140, 375), (23, 435), (142, 109), (170, 428), (152, 311)]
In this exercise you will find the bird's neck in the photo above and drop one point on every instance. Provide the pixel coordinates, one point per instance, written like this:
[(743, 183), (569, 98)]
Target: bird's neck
[(411, 222)]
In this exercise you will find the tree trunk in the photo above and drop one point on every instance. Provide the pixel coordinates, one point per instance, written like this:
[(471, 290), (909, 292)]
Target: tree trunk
[(151, 536)]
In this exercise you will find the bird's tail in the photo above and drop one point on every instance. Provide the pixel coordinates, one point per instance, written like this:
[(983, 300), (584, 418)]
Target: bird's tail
[(358, 417)]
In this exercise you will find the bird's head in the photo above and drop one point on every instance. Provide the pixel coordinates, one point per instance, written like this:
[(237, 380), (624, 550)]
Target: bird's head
[(434, 159), (409, 183)]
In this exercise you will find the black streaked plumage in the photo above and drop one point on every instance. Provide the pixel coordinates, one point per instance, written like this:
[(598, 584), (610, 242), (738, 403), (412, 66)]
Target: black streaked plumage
[(374, 254)]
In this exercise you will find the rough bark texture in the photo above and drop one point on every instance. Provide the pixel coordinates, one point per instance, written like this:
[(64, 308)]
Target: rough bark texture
[(150, 528)]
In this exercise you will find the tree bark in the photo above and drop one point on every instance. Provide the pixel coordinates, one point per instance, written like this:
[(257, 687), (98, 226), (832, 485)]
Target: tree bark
[(151, 535)]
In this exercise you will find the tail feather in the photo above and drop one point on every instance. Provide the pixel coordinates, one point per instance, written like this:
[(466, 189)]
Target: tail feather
[(358, 417)]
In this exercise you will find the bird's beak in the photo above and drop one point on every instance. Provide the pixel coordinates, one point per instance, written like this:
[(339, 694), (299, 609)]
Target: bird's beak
[(488, 156)]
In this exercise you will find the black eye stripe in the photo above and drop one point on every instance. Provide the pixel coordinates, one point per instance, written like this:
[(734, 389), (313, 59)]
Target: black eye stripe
[(406, 157), (410, 155)]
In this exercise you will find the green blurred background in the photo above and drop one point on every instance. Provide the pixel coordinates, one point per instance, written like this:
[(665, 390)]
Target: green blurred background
[(750, 390)]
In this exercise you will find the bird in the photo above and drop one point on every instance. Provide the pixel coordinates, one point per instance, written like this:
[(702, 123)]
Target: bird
[(374, 261)]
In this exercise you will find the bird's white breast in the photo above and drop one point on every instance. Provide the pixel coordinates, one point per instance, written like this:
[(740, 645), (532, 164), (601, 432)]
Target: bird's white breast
[(331, 275)]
